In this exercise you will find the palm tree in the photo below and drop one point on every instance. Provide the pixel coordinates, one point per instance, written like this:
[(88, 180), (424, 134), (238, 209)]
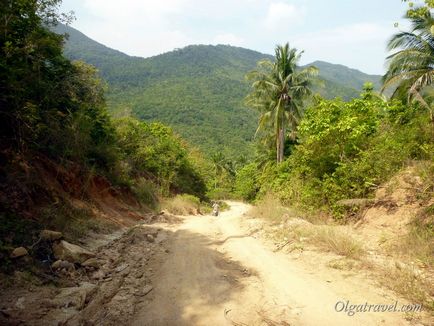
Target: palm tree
[(278, 91), (411, 67), (218, 160)]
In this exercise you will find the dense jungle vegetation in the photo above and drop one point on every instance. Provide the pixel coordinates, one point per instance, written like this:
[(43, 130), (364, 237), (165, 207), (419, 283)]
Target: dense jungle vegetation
[(55, 129), (198, 90), (336, 149)]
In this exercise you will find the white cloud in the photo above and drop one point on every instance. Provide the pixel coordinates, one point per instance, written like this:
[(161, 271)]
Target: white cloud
[(281, 14), (347, 44), (149, 27), (134, 9), (155, 44), (355, 33), (137, 27), (228, 38)]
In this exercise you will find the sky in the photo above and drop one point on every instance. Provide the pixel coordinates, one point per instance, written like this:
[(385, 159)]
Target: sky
[(349, 32)]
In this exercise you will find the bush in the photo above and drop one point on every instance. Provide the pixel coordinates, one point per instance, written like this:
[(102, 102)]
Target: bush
[(246, 182), (145, 192), (346, 150), (182, 205), (220, 194), (269, 207), (155, 152)]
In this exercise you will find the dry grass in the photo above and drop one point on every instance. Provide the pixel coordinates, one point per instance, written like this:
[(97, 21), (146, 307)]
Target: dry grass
[(338, 241), (181, 205), (270, 208), (408, 283), (343, 264), (331, 238), (326, 237), (417, 246), (419, 242)]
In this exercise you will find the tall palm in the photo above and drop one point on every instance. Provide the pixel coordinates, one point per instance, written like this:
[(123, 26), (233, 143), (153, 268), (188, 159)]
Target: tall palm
[(218, 160), (278, 91), (411, 67)]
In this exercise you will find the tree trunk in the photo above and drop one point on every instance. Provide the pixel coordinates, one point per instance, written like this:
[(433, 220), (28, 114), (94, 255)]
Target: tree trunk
[(277, 146), (280, 146)]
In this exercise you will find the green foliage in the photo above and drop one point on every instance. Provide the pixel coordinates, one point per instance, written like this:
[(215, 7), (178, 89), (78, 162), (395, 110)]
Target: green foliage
[(419, 8), (246, 182), (197, 90), (145, 191), (49, 104), (342, 127), (223, 174), (55, 108), (341, 81), (411, 65), (154, 151), (279, 90), (347, 149)]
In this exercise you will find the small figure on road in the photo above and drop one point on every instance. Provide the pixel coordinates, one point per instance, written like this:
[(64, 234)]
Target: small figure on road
[(215, 209)]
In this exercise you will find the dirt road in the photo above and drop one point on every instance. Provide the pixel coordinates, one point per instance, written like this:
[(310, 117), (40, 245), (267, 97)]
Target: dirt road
[(216, 273)]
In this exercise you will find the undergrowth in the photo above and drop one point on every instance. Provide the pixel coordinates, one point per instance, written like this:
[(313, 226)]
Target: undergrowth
[(182, 205)]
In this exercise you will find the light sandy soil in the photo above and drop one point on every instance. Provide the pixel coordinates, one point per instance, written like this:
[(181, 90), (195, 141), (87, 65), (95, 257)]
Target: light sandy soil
[(219, 273)]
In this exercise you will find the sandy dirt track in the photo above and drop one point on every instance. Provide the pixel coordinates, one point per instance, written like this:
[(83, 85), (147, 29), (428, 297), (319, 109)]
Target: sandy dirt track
[(218, 273)]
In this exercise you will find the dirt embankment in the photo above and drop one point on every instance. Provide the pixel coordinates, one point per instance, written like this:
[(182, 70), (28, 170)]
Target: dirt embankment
[(32, 189), (104, 290), (89, 211)]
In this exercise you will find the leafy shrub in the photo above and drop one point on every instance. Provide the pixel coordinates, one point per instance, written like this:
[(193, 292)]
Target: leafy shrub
[(155, 152), (246, 182), (346, 149)]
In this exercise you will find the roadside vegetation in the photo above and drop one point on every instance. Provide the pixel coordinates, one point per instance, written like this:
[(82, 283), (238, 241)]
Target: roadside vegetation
[(337, 156), (336, 149), (60, 149), (182, 205)]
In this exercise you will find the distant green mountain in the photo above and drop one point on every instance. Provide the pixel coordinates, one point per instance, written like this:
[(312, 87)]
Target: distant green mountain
[(198, 90), (345, 77)]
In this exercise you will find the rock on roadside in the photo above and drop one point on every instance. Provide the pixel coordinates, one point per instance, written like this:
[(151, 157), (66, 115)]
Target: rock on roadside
[(92, 262), (71, 252), (19, 252), (49, 235), (59, 264), (74, 296)]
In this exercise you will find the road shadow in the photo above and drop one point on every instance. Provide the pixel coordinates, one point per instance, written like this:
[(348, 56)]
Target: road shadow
[(194, 284)]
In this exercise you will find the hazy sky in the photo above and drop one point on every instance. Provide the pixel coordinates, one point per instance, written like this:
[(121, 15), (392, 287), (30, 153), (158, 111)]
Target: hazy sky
[(349, 32)]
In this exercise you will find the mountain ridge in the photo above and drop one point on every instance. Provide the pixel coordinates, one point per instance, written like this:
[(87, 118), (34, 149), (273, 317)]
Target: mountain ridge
[(199, 90)]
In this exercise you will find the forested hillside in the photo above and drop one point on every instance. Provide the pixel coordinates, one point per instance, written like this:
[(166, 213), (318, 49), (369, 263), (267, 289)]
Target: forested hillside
[(344, 77), (199, 90), (63, 160)]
